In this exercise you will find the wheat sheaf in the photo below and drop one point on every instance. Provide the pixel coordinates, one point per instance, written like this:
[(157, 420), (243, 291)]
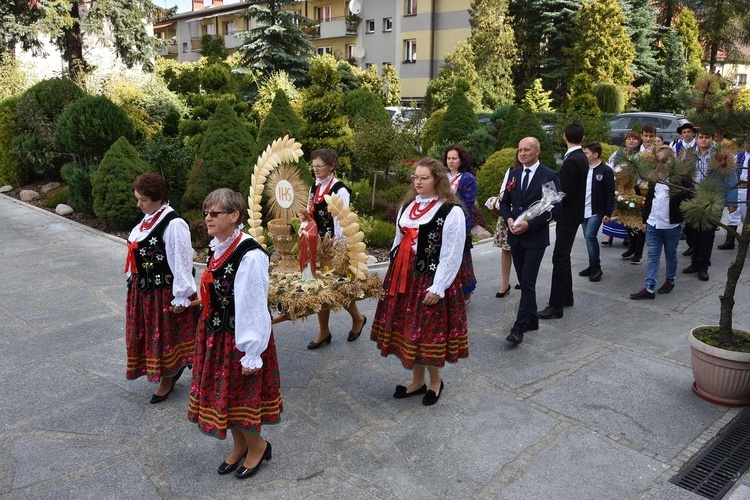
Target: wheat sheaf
[(355, 245), (280, 152)]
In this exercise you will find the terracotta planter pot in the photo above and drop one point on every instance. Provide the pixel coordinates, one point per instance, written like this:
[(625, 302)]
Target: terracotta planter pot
[(721, 376)]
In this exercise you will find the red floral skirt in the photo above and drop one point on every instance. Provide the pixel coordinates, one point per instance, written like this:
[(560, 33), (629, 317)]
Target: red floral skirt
[(221, 397), (416, 333), (158, 342), (466, 273)]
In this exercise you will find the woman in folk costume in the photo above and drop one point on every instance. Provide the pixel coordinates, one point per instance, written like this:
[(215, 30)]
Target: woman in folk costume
[(160, 329), (464, 184), (236, 376), (422, 318), (323, 162)]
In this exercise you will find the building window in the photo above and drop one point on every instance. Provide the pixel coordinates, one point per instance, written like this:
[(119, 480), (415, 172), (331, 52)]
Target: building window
[(387, 24), (324, 50), (410, 51), (209, 29), (184, 47), (367, 65), (740, 80), (230, 27), (411, 7), (323, 14), (350, 52), (370, 26)]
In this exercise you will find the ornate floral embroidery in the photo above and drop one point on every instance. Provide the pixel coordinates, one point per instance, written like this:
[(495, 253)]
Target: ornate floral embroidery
[(511, 185)]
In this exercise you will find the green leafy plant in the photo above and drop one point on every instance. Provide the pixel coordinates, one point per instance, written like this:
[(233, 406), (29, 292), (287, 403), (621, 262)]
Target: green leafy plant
[(378, 233), (78, 178)]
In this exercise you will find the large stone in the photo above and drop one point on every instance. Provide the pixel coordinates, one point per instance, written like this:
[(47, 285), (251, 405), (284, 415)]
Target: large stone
[(50, 186), (480, 232), (7, 188), (63, 209), (371, 260), (28, 195)]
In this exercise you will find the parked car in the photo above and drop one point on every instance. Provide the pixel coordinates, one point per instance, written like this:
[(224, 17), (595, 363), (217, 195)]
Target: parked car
[(406, 117), (666, 125)]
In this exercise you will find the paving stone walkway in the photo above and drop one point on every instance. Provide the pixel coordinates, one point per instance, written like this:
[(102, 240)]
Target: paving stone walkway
[(596, 405)]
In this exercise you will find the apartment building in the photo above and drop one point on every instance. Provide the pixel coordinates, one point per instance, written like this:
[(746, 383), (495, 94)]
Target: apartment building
[(365, 32)]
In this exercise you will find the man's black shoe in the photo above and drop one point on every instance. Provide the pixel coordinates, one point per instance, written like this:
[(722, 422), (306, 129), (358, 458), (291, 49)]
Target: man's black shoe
[(691, 269), (586, 272), (642, 295), (667, 287), (532, 325), (689, 251), (596, 275), (628, 253), (515, 337), (703, 275), (550, 312)]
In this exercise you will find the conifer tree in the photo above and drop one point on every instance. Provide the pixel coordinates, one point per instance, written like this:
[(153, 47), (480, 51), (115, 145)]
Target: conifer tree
[(687, 27), (510, 123), (326, 125), (668, 90), (276, 42), (640, 23), (391, 85), (458, 64), (363, 104), (279, 121), (112, 184), (459, 120), (224, 157), (536, 99), (601, 47)]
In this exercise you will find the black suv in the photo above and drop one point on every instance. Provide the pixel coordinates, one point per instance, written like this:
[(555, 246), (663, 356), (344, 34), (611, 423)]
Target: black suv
[(666, 125)]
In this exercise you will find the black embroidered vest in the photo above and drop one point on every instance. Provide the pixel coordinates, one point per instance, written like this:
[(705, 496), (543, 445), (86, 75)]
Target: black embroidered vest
[(322, 216), (222, 289), (429, 241), (153, 272)]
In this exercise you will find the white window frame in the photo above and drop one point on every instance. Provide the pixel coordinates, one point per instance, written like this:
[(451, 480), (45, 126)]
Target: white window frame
[(410, 50), (209, 29), (230, 27), (350, 51), (324, 50), (387, 24), (326, 10), (411, 7), (370, 26)]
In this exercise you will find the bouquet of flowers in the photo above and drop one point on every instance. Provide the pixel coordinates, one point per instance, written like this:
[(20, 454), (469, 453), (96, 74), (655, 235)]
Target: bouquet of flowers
[(550, 196)]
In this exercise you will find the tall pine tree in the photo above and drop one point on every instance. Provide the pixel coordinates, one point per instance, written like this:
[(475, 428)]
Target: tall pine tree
[(687, 28), (276, 42), (640, 22), (669, 87), (601, 47)]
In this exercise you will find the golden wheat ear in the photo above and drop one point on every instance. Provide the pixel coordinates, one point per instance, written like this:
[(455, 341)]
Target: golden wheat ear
[(355, 245), (281, 151)]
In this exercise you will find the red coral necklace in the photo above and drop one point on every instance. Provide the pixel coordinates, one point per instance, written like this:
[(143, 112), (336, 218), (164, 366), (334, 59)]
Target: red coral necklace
[(145, 226), (416, 213), (217, 263)]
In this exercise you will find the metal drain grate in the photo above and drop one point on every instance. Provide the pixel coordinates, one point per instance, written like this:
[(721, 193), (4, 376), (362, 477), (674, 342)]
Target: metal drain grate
[(712, 473)]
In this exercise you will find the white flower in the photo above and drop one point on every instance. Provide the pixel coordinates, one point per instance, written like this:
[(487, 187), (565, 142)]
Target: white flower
[(620, 198), (617, 192), (631, 204)]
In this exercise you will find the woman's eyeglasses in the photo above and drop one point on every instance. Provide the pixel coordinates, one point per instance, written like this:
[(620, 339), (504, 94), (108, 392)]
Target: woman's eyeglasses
[(213, 213), (317, 167), (420, 178)]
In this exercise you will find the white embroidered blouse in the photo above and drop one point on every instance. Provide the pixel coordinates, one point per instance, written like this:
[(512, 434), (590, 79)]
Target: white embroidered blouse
[(343, 195), (452, 247), (252, 328), (179, 250)]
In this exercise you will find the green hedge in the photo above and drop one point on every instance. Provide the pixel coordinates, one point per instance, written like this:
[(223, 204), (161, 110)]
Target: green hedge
[(490, 177), (378, 233), (12, 169)]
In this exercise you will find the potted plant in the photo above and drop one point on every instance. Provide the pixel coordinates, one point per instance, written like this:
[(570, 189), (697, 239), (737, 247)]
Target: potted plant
[(352, 21), (310, 27), (720, 353)]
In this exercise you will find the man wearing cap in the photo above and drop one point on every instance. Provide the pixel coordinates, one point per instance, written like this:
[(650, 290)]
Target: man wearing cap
[(687, 139)]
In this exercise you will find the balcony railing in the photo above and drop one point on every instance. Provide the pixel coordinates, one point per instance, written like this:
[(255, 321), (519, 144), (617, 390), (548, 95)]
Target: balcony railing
[(334, 27)]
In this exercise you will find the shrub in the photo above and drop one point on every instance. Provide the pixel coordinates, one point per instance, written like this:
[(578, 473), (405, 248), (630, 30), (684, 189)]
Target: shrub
[(112, 184), (280, 121), (361, 197), (225, 157), (13, 79), (56, 197), (89, 126), (216, 79), (608, 150), (431, 129), (459, 120), (364, 104), (490, 177), (171, 158), (78, 178), (12, 170), (505, 137), (609, 97), (378, 233), (277, 81), (183, 78), (38, 112)]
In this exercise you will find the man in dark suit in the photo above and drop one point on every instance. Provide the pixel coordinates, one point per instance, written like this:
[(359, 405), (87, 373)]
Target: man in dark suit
[(573, 175), (527, 239)]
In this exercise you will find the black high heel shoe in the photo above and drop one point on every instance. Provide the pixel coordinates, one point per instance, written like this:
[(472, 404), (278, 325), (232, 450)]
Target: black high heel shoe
[(158, 399), (500, 295), (226, 468), (314, 345), (354, 336), (607, 243), (244, 473)]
